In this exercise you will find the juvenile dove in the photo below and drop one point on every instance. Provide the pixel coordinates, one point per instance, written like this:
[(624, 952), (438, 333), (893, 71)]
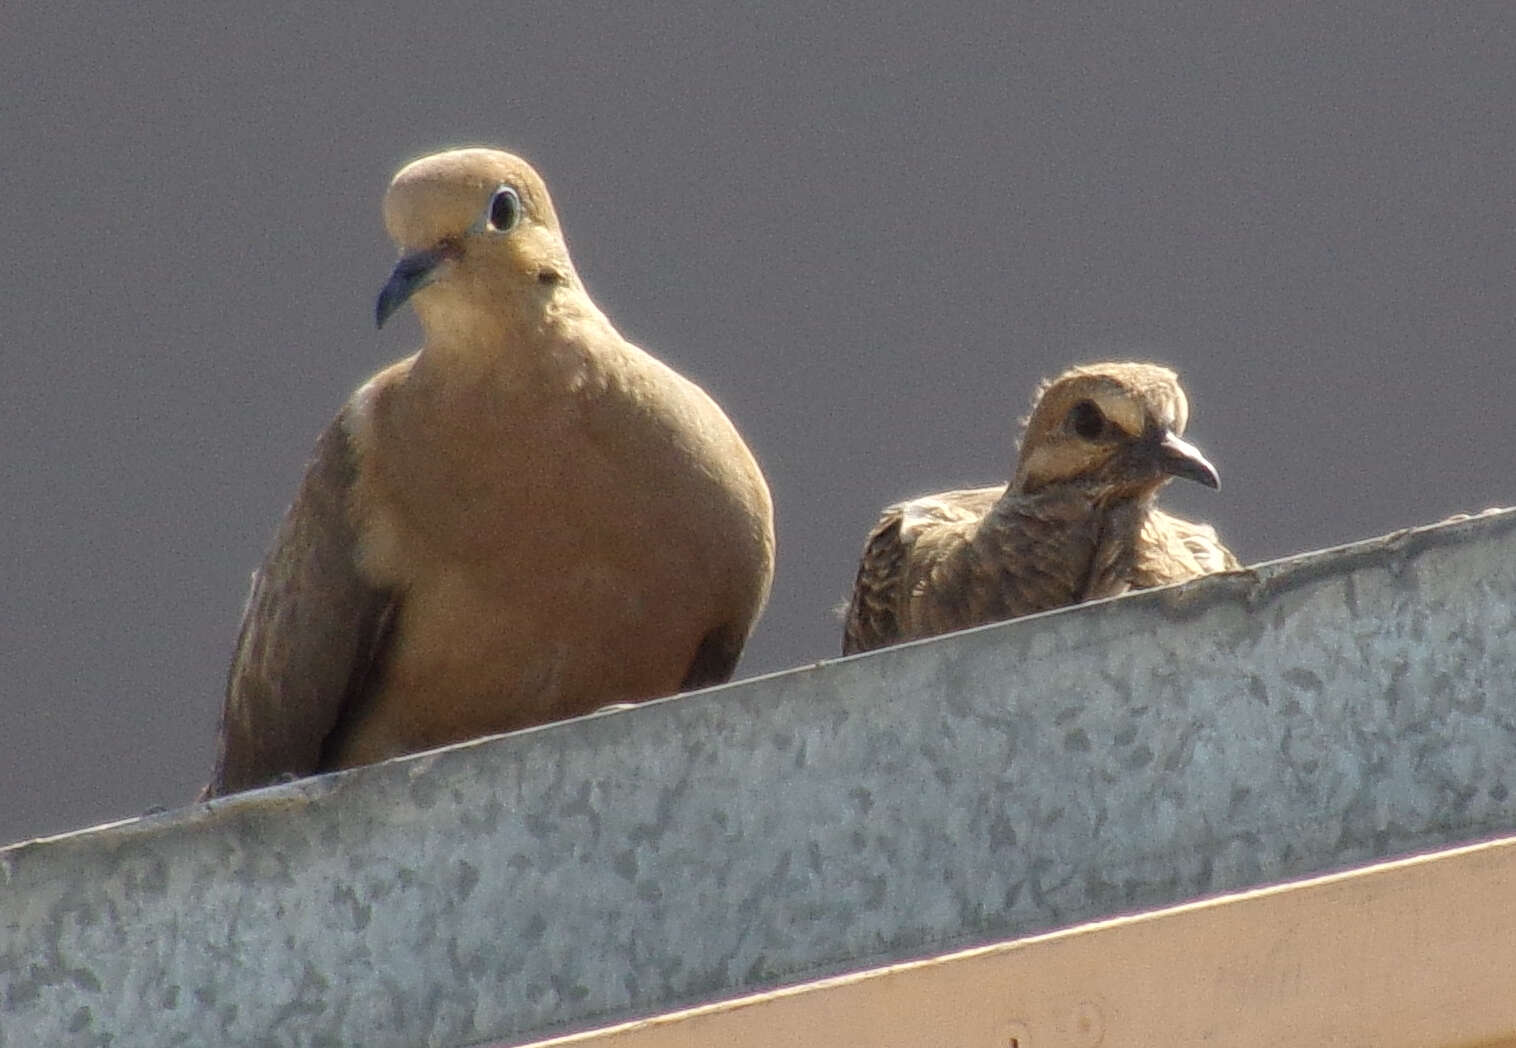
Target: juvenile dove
[(526, 520), (1076, 522)]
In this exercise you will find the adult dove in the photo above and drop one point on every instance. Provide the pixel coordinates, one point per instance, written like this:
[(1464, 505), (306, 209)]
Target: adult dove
[(1076, 522), (526, 520)]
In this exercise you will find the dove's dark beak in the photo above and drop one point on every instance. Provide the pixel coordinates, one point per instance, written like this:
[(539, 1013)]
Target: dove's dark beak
[(1179, 458), (412, 273)]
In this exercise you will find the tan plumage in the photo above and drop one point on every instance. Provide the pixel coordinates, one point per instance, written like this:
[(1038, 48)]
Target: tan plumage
[(528, 519), (1076, 522)]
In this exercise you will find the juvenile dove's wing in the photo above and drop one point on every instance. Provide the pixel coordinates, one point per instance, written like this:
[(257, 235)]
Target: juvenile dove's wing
[(909, 541), (1172, 549)]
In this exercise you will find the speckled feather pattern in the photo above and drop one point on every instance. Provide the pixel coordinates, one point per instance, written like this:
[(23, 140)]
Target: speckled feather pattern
[(957, 559)]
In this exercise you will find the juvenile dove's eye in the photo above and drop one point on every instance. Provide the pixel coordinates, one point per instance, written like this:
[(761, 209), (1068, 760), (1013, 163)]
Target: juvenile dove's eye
[(505, 209), (1086, 420)]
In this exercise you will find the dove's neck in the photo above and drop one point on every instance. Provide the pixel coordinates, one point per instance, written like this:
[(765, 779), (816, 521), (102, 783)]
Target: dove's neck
[(539, 351)]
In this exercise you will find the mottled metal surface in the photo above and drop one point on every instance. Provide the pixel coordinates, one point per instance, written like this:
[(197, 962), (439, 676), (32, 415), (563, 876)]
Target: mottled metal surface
[(1310, 715)]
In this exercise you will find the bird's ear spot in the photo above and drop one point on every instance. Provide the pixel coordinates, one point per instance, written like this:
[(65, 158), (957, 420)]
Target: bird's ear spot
[(1086, 420)]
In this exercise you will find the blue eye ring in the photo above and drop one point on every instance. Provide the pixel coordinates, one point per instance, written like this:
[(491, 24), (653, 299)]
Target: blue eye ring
[(504, 210)]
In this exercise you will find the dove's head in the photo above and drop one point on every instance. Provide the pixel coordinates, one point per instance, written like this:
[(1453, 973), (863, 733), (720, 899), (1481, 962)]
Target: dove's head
[(476, 230), (1117, 427)]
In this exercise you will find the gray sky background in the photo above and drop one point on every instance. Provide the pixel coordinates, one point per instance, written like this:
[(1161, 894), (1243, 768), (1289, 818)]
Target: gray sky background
[(867, 235)]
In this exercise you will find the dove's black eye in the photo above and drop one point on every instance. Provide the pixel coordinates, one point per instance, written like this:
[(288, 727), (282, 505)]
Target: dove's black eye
[(1086, 420), (505, 209)]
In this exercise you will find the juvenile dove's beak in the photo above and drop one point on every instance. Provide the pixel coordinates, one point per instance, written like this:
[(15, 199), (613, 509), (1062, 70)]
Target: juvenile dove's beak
[(1179, 458)]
